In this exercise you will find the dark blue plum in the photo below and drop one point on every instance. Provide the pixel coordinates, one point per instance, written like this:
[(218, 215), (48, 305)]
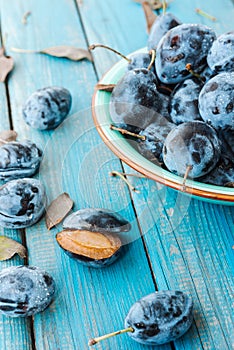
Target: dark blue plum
[(194, 144), (97, 220), (160, 317), (19, 159), (46, 108), (160, 27), (25, 290), (182, 45), (135, 99), (140, 60), (155, 134), (216, 101), (207, 74), (221, 55), (222, 174), (183, 106), (22, 203)]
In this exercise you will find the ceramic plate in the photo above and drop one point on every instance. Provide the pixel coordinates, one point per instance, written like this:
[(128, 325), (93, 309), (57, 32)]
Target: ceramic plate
[(124, 150)]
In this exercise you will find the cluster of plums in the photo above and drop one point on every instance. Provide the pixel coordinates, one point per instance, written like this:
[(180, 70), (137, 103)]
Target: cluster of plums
[(184, 104)]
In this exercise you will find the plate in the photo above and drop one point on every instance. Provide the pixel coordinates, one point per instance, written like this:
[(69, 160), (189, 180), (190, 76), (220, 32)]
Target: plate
[(128, 154)]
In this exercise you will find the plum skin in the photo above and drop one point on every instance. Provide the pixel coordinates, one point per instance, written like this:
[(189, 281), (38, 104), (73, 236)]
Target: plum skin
[(46, 108), (25, 290), (160, 317), (194, 144)]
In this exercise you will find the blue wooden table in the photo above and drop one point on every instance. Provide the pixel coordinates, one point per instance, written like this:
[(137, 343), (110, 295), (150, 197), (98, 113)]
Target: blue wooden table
[(177, 242)]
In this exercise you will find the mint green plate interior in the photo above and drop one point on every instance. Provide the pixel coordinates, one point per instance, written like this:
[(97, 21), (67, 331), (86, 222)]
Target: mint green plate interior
[(121, 147)]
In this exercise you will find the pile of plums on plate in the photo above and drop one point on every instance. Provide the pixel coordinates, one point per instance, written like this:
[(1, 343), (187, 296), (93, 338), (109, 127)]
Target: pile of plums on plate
[(183, 103)]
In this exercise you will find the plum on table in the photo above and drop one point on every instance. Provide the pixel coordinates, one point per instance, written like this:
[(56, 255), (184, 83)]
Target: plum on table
[(157, 318), (22, 203), (19, 159), (25, 290), (46, 108)]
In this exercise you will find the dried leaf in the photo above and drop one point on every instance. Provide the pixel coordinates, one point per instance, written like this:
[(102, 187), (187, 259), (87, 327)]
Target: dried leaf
[(6, 65), (7, 136), (58, 209), (70, 52), (149, 15), (9, 247), (105, 87)]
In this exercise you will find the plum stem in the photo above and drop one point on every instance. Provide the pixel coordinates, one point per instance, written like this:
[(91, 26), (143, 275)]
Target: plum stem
[(153, 56), (123, 131), (205, 14), (92, 47), (122, 177), (191, 71), (106, 336), (188, 169), (164, 6)]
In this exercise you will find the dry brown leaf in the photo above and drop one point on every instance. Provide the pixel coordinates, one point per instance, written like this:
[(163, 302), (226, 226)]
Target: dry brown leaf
[(9, 247), (7, 136), (105, 87), (58, 209), (6, 65), (149, 15), (70, 52)]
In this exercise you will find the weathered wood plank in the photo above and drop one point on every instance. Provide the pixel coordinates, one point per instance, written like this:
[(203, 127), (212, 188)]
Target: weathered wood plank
[(189, 242), (87, 302)]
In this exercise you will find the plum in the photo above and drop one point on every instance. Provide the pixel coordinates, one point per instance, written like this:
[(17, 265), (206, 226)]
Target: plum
[(25, 290), (182, 45), (160, 27), (19, 159), (97, 220), (220, 58), (155, 133), (22, 203), (157, 318), (216, 101), (183, 106), (135, 99), (193, 144), (46, 108)]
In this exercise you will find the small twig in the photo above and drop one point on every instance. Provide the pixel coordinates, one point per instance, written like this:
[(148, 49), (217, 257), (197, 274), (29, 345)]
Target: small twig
[(122, 177), (191, 71), (25, 17), (205, 14), (188, 169), (97, 340), (153, 56), (123, 131), (92, 47)]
